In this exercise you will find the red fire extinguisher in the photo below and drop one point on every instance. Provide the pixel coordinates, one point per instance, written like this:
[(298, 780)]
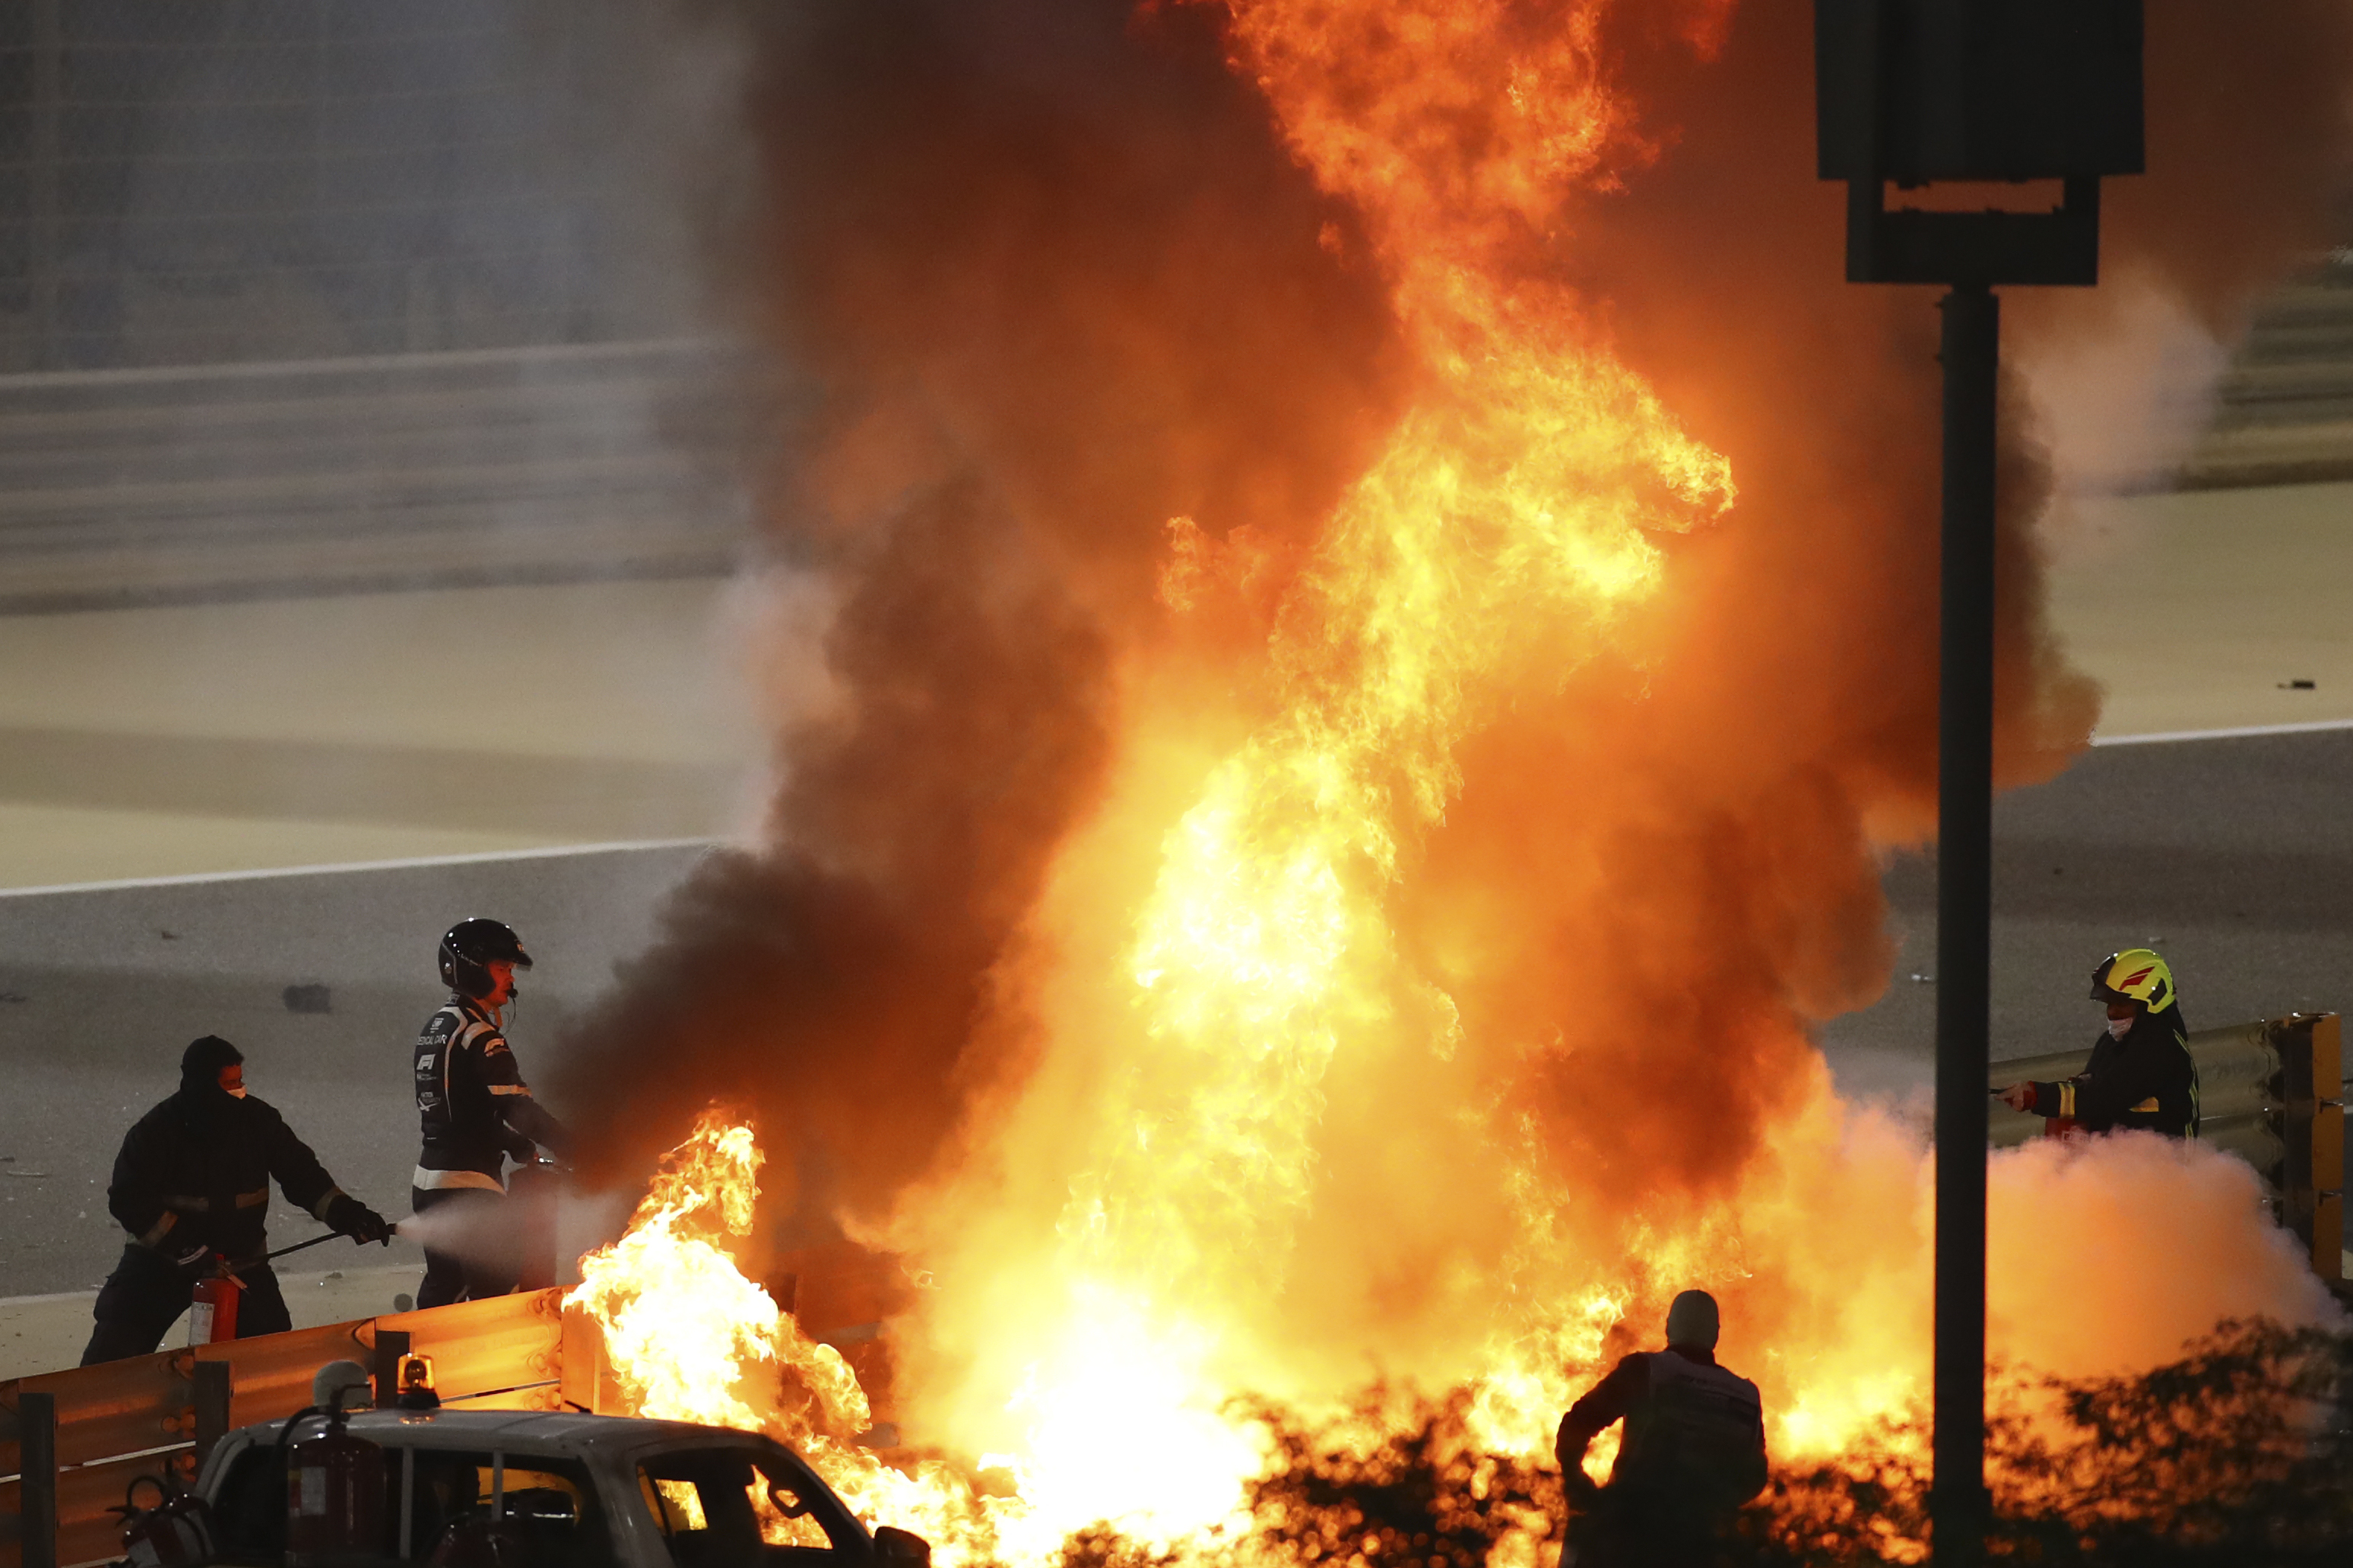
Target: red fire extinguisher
[(335, 1494), (212, 1313)]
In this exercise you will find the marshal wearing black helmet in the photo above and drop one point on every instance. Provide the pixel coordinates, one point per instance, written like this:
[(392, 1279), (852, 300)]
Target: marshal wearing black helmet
[(470, 947), (474, 1110), (2141, 1074)]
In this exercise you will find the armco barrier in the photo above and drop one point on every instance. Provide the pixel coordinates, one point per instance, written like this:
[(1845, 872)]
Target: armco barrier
[(2269, 1092), (99, 1427)]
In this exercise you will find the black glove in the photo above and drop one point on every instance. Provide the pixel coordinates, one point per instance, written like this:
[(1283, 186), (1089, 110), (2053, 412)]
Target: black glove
[(195, 1262), (523, 1150), (357, 1220)]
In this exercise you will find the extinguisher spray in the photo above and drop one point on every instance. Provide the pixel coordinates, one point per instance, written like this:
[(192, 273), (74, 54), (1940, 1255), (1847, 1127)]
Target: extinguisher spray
[(530, 1212), (335, 1493)]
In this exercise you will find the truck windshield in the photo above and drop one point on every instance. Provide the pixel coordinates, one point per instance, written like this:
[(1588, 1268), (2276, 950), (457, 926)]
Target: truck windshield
[(731, 1508)]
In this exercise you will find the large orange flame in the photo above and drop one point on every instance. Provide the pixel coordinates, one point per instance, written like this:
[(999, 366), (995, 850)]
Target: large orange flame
[(1258, 1148), (1509, 514)]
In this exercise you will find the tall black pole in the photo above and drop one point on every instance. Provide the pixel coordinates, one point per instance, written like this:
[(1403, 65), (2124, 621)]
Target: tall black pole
[(1911, 93), (1971, 355)]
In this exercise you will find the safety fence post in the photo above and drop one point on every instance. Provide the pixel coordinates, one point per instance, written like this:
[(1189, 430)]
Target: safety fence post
[(37, 1486), (215, 1380), (2311, 1091), (391, 1345)]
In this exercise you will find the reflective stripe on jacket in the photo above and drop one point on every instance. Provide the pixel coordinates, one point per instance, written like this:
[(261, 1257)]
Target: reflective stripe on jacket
[(2148, 1080)]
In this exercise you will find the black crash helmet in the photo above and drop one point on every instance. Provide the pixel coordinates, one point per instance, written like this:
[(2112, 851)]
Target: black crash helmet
[(470, 946)]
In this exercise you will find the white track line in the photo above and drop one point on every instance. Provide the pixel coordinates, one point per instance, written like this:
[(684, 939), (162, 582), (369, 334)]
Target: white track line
[(2309, 727), (551, 852), (484, 858)]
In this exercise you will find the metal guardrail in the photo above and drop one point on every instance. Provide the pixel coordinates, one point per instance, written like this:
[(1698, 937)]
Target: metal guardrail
[(2272, 1093), (71, 1442), (208, 483)]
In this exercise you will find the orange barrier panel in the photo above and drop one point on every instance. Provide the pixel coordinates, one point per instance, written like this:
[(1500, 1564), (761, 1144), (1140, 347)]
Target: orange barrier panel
[(479, 1346), (270, 1375), (117, 1408), (587, 1376), (86, 1531)]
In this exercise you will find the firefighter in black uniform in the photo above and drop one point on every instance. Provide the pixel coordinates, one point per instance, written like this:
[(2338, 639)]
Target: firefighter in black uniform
[(475, 1110), (1691, 1452), (2141, 1074), (192, 1186)]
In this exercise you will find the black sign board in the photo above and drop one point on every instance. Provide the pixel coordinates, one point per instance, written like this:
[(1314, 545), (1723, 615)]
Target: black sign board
[(1915, 91)]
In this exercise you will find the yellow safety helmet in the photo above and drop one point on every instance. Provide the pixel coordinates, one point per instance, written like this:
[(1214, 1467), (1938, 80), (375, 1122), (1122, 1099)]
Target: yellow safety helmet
[(2135, 975)]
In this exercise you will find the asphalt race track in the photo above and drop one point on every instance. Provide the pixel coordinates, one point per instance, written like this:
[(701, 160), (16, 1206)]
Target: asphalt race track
[(2235, 857), (2231, 856)]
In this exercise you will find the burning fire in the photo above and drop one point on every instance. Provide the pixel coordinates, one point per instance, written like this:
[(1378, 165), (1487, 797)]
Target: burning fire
[(1270, 1141), (690, 1338)]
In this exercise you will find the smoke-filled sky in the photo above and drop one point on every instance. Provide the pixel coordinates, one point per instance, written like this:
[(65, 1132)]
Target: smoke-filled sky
[(1061, 285), (1120, 320)]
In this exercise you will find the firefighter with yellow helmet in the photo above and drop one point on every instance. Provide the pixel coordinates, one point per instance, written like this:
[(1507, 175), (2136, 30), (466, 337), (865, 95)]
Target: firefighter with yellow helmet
[(2140, 1074)]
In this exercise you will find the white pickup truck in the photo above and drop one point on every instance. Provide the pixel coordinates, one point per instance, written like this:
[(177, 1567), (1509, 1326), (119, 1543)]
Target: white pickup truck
[(502, 1489)]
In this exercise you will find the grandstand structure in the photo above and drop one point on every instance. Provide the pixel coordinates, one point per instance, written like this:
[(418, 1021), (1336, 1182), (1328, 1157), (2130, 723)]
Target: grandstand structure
[(2284, 409), (304, 296), (315, 295)]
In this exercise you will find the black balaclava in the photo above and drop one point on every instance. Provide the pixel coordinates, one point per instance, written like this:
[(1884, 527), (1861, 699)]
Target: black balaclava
[(201, 1064)]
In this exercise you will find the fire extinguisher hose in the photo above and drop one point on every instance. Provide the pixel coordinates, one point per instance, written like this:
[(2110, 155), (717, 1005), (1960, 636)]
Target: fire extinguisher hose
[(240, 1268)]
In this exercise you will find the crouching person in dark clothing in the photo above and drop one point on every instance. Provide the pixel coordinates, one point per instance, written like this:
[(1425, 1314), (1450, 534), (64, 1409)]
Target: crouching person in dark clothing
[(1691, 1452), (192, 1186)]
